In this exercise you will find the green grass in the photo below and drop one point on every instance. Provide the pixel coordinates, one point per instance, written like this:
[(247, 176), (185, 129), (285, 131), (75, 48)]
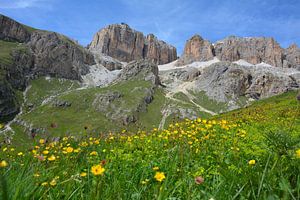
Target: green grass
[(153, 116), (42, 89), (217, 149), (203, 100), (82, 113)]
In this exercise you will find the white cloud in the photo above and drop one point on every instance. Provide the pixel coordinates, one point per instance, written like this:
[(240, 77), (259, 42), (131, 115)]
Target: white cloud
[(22, 4)]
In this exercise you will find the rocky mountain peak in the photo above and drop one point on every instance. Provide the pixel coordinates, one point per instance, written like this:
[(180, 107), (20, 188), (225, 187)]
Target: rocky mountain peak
[(293, 47), (251, 49), (126, 44), (196, 49), (13, 31)]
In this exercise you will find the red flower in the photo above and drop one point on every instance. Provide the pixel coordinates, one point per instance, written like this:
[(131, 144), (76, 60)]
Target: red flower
[(199, 180)]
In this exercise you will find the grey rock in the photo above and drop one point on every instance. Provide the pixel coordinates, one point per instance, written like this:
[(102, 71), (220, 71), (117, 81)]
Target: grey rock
[(225, 82), (102, 101), (61, 104), (13, 31), (9, 105), (292, 57), (108, 62), (141, 69), (58, 56), (254, 50), (187, 74)]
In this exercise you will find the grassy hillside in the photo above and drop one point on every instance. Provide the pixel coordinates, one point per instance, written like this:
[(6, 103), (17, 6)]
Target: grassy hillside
[(251, 153), (83, 115)]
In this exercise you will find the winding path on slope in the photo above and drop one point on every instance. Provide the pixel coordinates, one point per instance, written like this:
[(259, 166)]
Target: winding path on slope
[(183, 87)]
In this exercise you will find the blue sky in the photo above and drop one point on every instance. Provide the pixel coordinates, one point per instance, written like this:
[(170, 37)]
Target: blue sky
[(174, 21)]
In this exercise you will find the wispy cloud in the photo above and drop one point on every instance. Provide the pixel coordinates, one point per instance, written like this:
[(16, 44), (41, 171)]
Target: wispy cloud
[(22, 4)]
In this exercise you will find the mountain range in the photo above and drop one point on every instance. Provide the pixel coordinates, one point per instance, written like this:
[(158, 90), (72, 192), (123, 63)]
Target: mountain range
[(50, 84)]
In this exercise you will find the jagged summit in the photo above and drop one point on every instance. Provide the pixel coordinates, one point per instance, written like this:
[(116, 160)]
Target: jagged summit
[(254, 50), (126, 44)]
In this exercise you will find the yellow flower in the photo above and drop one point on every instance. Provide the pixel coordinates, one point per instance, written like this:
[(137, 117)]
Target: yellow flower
[(45, 152), (42, 141), (4, 149), (159, 176), (93, 153), (251, 162), (155, 168), (76, 150), (84, 144), (298, 153), (52, 158), (70, 149), (97, 170), (53, 182), (3, 164), (12, 149), (83, 174), (44, 184), (36, 175), (145, 181), (20, 154)]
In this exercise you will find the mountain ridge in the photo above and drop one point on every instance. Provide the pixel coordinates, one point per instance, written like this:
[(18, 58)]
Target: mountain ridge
[(205, 86)]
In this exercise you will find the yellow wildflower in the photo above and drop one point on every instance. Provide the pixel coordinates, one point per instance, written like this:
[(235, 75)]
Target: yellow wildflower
[(93, 153), (83, 174), (159, 176), (70, 150), (52, 158), (3, 164), (20, 154), (36, 175), (145, 181), (155, 168), (53, 182), (42, 141), (251, 162), (45, 152), (44, 184), (298, 153), (4, 149), (76, 150), (97, 170)]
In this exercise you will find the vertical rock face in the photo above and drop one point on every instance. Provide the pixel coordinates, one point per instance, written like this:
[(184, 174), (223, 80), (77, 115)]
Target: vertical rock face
[(253, 50), (196, 49), (125, 44), (158, 51), (12, 31), (58, 56), (292, 57)]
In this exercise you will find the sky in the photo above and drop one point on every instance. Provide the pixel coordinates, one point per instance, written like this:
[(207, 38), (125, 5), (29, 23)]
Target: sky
[(173, 21)]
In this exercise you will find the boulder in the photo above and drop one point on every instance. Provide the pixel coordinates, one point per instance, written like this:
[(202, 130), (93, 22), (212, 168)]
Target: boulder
[(141, 69)]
